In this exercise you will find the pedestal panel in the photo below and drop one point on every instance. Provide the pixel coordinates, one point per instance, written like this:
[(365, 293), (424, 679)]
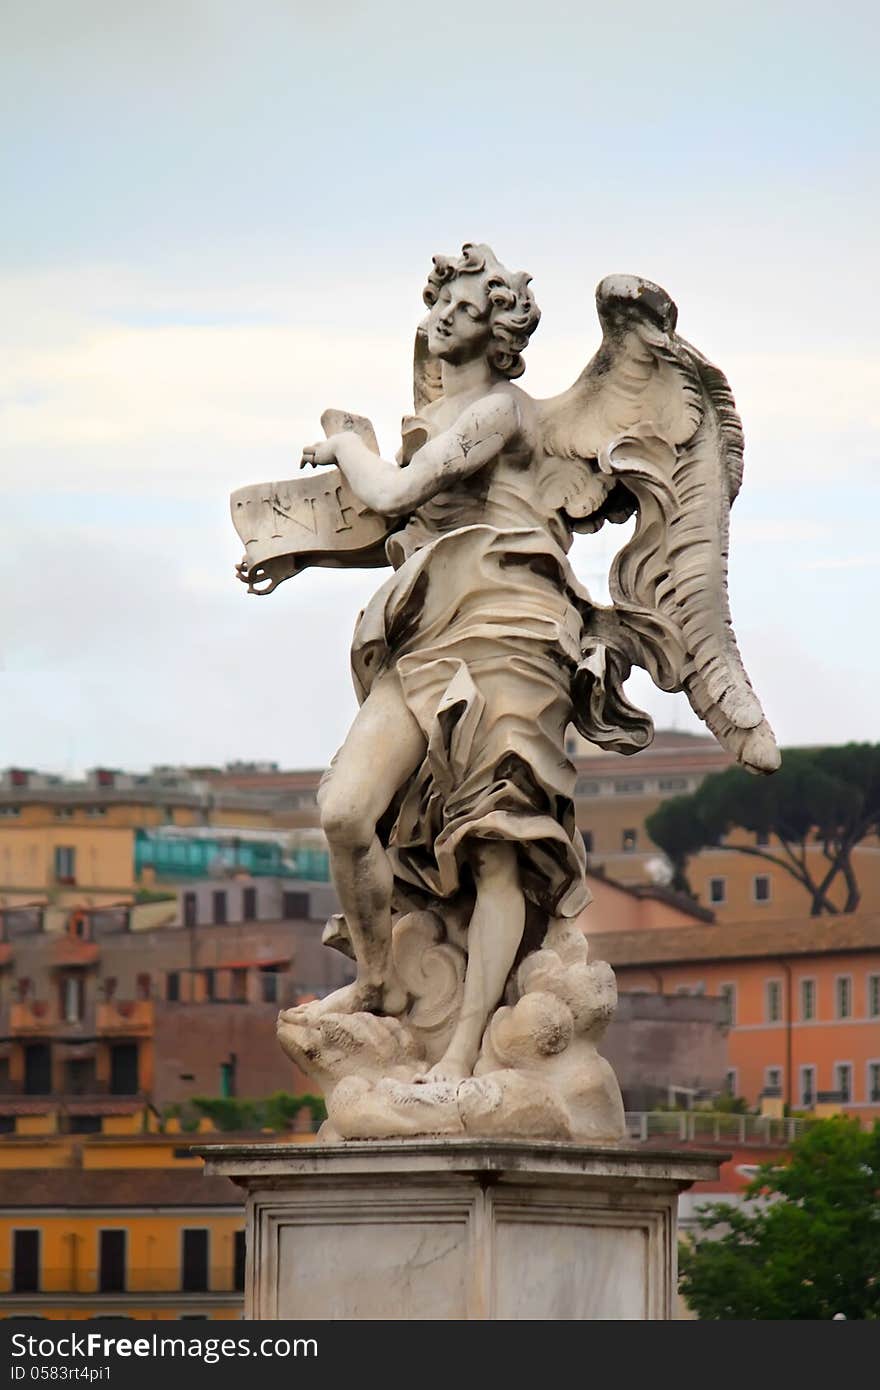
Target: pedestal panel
[(460, 1229)]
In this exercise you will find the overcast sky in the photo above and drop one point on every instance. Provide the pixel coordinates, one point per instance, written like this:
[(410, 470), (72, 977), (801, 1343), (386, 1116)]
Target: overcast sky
[(217, 222)]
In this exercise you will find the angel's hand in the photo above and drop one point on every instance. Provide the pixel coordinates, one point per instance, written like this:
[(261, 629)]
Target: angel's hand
[(316, 455)]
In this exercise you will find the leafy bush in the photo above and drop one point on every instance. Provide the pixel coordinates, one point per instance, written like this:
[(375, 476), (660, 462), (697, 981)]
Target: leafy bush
[(276, 1112)]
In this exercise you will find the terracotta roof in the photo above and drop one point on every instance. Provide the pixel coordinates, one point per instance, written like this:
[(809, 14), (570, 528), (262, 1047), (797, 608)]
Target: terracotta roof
[(653, 762), (293, 779), (654, 891), (103, 1105), (85, 1105), (28, 1105), (116, 1187), (248, 962), (76, 795), (799, 936)]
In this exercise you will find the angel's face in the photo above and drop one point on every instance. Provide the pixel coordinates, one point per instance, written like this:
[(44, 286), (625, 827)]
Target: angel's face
[(458, 325)]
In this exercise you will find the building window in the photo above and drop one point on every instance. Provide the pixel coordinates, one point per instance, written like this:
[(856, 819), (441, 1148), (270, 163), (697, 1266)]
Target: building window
[(843, 1081), (269, 985), (585, 786), (111, 1258), (294, 906), (25, 1261), (773, 1001), (728, 994), (762, 888), (219, 898), (629, 840), (808, 1000), (194, 1260), (673, 784), (249, 905), (172, 986), (874, 1082), (124, 1069), (209, 981), (73, 994), (65, 864), (874, 996), (239, 986), (228, 1074), (629, 784), (239, 1261), (143, 985), (717, 890), (190, 909), (773, 1079), (587, 837), (84, 1124), (730, 1081), (843, 995), (808, 1086), (79, 1079), (37, 1069)]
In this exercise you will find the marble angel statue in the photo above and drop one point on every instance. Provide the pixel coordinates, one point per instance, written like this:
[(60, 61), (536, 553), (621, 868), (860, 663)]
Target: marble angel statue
[(448, 810)]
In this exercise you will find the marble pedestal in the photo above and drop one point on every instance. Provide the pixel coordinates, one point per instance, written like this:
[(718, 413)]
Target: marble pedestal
[(446, 1229)]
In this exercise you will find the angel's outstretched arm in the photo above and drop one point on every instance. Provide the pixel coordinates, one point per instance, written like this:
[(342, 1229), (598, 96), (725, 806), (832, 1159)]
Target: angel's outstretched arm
[(477, 437)]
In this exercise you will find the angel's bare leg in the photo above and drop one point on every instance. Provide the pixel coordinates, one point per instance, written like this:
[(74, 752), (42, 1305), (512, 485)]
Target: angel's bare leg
[(494, 934), (384, 746)]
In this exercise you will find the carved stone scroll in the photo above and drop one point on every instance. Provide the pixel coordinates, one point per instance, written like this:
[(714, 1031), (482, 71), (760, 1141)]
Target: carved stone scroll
[(312, 520)]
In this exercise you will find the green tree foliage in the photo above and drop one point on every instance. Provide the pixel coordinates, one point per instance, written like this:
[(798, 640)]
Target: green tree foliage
[(230, 1113), (827, 798), (809, 1247)]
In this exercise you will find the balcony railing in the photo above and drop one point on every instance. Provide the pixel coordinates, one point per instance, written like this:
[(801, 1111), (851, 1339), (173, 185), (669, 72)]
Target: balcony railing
[(125, 1018), (706, 1127), (35, 1017), (45, 1018)]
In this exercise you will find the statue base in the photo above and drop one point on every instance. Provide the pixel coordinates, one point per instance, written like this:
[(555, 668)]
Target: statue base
[(460, 1229)]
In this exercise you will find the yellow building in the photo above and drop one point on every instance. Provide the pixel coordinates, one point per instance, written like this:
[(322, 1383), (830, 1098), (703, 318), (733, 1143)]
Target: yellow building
[(66, 845), (119, 1223)]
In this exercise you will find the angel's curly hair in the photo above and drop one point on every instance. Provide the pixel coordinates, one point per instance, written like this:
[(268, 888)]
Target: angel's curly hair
[(514, 314)]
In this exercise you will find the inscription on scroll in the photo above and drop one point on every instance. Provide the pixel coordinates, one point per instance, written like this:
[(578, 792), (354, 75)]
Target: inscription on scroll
[(312, 520)]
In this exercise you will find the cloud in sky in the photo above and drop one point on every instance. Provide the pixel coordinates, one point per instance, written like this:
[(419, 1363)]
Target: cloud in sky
[(217, 228)]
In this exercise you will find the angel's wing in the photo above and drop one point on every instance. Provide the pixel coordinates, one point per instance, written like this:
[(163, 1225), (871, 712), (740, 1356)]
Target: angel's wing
[(653, 415), (427, 379)]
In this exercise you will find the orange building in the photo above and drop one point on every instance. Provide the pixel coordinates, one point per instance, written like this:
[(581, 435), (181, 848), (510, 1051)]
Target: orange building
[(803, 1000)]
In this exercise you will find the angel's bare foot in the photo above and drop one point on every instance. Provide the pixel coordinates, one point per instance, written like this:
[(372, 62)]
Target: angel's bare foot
[(360, 997), (449, 1068)]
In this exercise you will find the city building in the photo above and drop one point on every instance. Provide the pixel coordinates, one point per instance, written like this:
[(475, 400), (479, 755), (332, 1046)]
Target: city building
[(614, 796), (118, 837), (803, 1001), (111, 839), (119, 1223), (103, 1017)]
